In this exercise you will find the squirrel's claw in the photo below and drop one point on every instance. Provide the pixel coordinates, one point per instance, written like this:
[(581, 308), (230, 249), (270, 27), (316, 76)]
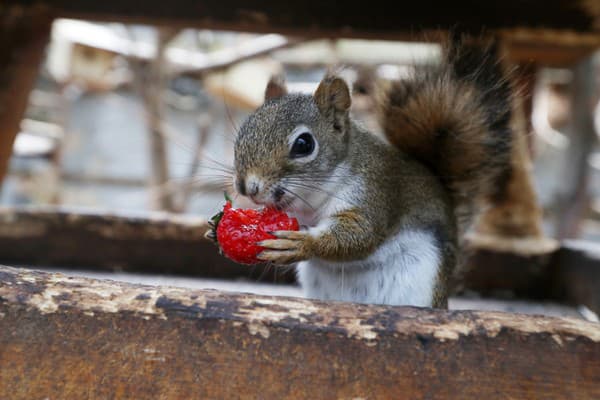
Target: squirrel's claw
[(290, 247), (211, 235), (292, 235), (281, 257), (280, 244)]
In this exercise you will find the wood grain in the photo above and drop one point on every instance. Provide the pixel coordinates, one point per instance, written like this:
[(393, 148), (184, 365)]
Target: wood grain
[(148, 242), (24, 33), (73, 338), (554, 18)]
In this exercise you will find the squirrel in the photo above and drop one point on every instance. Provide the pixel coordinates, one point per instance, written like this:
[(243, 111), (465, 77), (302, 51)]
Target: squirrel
[(383, 218)]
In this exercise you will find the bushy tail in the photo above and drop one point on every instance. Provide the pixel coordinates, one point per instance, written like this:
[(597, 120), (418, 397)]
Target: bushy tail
[(455, 118)]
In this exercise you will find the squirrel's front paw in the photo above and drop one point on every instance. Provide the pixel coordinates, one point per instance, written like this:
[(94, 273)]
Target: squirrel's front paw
[(289, 247)]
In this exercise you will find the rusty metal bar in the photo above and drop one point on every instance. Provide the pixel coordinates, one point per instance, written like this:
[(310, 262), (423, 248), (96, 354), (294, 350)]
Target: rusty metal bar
[(72, 338)]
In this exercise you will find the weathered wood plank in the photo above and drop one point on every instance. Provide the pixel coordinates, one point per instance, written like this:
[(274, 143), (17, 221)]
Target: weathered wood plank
[(149, 242), (24, 33), (569, 274), (553, 50), (555, 18), (575, 272), (573, 201), (74, 338), (167, 243)]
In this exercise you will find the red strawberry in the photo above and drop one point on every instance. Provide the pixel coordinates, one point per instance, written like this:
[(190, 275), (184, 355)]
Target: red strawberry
[(238, 230)]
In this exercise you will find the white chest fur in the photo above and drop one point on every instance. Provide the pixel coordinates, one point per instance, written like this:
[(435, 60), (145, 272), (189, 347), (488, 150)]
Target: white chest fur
[(327, 198), (402, 271)]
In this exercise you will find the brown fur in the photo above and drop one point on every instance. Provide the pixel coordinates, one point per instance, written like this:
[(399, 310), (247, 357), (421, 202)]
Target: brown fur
[(451, 135), (513, 223), (275, 88), (455, 119), (333, 99)]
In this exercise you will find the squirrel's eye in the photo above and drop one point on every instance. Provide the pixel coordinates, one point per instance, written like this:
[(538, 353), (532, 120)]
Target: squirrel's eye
[(303, 146)]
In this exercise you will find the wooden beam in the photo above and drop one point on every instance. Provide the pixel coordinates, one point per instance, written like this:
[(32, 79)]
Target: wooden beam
[(575, 272), (152, 242), (24, 33), (71, 338), (548, 54), (353, 16), (569, 274), (167, 243), (180, 60), (573, 201), (312, 17)]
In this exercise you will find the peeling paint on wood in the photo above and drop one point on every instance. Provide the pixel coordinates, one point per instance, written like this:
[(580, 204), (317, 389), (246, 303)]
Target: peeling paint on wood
[(67, 337)]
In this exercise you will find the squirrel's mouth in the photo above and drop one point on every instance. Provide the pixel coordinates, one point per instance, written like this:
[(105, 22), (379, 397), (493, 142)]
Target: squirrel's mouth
[(278, 194), (276, 199), (288, 200), (279, 200)]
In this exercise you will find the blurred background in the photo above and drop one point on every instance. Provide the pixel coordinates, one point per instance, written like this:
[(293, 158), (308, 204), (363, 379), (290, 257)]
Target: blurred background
[(136, 118)]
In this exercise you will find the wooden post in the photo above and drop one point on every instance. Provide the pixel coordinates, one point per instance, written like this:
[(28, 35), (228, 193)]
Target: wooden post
[(24, 32), (150, 82), (575, 198), (154, 88), (73, 338), (185, 188), (513, 223)]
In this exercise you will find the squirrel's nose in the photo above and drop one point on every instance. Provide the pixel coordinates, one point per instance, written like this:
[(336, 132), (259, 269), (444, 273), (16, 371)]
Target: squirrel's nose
[(248, 187), (252, 189)]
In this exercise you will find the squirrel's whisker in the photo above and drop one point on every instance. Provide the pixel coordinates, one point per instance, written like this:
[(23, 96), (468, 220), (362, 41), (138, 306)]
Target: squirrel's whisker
[(299, 198), (320, 189)]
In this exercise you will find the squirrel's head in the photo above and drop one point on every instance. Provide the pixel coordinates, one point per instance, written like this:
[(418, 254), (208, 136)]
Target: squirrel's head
[(290, 147)]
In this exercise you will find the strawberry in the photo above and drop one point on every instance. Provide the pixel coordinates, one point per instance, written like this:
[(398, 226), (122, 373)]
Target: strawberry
[(238, 230)]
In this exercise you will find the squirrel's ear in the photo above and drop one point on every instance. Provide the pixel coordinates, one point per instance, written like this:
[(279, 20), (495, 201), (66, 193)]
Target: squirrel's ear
[(333, 95), (275, 88)]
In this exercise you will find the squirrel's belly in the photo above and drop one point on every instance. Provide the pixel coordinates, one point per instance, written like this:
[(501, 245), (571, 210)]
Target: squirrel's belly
[(402, 271)]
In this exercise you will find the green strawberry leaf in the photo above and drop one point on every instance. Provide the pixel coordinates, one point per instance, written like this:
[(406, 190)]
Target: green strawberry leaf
[(213, 222), (215, 219)]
